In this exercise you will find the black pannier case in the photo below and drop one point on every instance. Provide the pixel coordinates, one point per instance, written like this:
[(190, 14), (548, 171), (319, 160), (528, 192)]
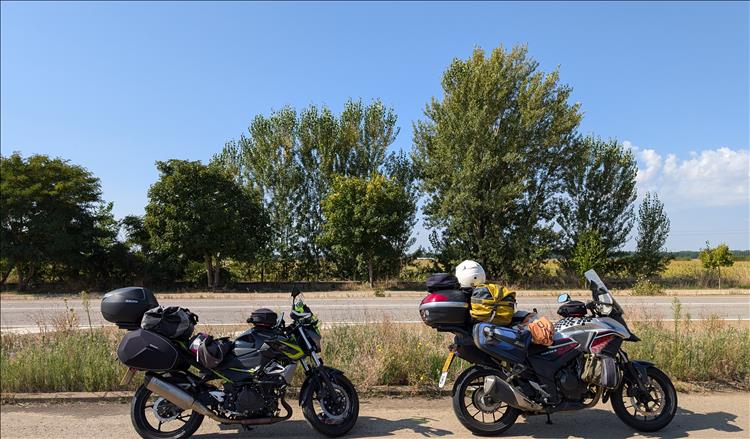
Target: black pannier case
[(126, 306), (441, 282), (446, 308), (146, 350), (573, 308)]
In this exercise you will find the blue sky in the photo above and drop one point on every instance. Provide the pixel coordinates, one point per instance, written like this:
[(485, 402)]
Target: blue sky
[(118, 86)]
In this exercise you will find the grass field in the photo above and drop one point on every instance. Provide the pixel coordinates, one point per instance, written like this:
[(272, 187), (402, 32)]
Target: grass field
[(690, 274), (62, 358)]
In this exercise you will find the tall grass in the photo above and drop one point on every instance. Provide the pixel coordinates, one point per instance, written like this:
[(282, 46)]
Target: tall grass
[(61, 358)]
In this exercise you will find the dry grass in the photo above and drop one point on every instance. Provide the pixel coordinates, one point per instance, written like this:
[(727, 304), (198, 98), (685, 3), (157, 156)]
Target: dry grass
[(64, 358)]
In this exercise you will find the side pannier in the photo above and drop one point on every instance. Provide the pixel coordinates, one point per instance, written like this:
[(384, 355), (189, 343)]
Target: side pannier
[(492, 303), (146, 350)]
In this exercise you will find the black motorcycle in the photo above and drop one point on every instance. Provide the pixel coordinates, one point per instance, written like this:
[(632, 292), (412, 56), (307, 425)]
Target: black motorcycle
[(511, 376), (248, 385)]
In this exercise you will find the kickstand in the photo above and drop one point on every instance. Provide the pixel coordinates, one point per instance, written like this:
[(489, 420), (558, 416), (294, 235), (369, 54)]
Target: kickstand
[(549, 421)]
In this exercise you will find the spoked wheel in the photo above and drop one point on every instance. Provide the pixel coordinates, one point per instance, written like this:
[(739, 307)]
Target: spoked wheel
[(333, 413), (477, 412), (156, 418), (646, 411)]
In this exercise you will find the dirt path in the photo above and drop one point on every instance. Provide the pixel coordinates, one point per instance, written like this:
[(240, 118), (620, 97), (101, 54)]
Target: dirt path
[(716, 415)]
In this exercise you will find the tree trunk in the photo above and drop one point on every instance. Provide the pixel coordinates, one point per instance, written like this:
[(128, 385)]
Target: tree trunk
[(718, 270), (23, 281), (369, 270), (217, 275), (209, 271), (6, 274)]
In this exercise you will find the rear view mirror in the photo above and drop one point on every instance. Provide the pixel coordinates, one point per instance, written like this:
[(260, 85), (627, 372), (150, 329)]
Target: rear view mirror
[(296, 292), (562, 298)]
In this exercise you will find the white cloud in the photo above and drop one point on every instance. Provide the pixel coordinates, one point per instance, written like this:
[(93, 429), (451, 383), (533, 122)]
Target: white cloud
[(712, 177)]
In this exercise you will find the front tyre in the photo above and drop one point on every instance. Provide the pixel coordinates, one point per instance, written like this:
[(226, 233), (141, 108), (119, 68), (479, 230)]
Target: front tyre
[(479, 414), (156, 418), (335, 413), (646, 411)]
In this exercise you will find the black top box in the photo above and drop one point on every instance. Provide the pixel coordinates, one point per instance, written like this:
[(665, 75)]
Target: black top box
[(126, 306)]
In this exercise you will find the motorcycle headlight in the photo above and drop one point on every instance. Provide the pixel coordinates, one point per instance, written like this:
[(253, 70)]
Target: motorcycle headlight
[(604, 308)]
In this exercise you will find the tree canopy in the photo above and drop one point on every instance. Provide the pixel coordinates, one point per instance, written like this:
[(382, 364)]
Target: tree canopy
[(199, 212), (650, 257), (367, 219), (491, 155), (50, 210), (598, 194)]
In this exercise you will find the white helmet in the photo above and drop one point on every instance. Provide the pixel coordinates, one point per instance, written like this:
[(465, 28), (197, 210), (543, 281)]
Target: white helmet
[(470, 273)]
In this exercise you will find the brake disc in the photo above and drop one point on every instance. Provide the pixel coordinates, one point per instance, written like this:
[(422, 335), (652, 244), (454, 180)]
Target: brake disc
[(165, 411), (335, 405)]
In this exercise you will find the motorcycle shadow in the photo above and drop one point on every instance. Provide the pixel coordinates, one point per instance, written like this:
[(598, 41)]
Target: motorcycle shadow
[(367, 426), (600, 423)]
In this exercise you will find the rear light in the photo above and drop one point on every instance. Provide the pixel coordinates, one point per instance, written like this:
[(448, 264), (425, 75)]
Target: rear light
[(600, 343), (434, 297)]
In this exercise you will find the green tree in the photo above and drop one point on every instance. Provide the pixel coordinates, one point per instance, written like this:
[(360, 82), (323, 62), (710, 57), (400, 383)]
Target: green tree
[(293, 158), (589, 253), (490, 155), (599, 191), (367, 219), (199, 212), (151, 267), (49, 210), (715, 258), (650, 258)]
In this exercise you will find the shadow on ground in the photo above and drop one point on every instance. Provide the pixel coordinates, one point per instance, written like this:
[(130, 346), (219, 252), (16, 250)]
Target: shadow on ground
[(603, 423), (587, 423), (367, 426)]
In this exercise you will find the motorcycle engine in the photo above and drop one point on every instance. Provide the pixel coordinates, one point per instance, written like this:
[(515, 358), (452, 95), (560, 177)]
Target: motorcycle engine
[(250, 400), (570, 383)]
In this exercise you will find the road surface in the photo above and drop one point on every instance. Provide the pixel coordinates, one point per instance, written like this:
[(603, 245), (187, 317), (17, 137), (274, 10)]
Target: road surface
[(716, 415), (24, 314)]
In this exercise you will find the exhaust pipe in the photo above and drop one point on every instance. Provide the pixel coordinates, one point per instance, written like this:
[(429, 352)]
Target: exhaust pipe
[(176, 396), (185, 401), (500, 390)]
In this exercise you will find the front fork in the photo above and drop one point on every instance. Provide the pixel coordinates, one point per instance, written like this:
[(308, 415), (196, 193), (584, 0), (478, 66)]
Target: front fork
[(636, 371)]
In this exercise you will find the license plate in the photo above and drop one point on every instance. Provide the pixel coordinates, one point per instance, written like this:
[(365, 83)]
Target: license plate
[(446, 366), (128, 377)]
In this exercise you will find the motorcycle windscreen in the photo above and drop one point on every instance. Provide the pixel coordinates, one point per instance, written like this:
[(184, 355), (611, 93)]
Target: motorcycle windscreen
[(146, 350), (506, 343)]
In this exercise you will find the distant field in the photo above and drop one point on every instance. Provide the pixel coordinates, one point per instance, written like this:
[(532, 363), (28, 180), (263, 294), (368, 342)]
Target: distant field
[(690, 274)]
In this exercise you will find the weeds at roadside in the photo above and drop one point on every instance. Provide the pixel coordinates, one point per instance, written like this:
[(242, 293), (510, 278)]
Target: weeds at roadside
[(59, 359)]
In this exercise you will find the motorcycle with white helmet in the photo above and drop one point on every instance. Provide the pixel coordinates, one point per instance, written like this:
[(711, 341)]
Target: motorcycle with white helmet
[(510, 376)]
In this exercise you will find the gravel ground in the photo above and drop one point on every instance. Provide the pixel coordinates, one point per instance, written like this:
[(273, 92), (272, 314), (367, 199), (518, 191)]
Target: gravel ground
[(709, 415)]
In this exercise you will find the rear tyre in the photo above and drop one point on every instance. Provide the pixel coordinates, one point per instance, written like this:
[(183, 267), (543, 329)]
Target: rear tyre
[(646, 412), (154, 417), (476, 413), (333, 415)]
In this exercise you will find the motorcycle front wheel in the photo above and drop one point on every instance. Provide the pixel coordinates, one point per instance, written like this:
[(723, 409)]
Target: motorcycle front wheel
[(646, 411), (336, 412), (478, 414), (154, 417)]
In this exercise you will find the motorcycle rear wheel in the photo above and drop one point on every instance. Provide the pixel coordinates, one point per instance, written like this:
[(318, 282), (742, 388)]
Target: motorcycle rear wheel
[(472, 410), (143, 413), (636, 412)]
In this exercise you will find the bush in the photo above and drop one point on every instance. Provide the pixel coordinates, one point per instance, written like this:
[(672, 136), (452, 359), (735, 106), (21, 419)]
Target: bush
[(646, 287)]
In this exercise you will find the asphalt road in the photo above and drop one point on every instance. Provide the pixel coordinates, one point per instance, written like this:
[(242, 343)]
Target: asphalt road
[(717, 415), (24, 314)]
